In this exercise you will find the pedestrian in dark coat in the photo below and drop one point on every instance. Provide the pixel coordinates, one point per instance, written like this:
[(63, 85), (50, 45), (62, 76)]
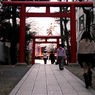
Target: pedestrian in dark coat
[(52, 57), (45, 57)]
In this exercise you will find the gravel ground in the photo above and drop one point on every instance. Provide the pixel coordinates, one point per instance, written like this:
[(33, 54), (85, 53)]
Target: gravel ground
[(78, 71), (10, 75)]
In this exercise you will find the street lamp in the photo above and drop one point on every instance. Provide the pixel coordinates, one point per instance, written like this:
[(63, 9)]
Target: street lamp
[(86, 10)]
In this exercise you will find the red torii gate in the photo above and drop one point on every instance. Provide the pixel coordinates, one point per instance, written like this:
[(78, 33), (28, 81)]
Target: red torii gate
[(24, 14), (46, 38)]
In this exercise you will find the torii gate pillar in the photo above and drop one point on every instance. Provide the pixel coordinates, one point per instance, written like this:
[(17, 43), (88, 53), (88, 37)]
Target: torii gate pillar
[(22, 34), (73, 35)]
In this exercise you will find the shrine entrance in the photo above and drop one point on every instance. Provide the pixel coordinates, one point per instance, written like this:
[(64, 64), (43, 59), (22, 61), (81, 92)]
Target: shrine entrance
[(24, 14), (46, 41)]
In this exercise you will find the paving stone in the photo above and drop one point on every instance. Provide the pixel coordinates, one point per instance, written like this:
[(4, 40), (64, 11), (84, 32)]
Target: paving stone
[(49, 80)]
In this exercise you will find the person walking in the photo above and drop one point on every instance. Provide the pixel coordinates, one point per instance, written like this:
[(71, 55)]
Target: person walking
[(45, 57), (52, 57), (86, 53), (60, 56)]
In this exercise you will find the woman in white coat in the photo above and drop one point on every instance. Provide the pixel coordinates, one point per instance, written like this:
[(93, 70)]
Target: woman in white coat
[(86, 59)]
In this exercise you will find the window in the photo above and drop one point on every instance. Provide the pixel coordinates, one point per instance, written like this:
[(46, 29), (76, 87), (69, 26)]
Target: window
[(81, 22), (92, 13)]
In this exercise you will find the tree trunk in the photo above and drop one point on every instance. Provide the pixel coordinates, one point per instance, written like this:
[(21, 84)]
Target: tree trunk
[(13, 42), (13, 53), (14, 17), (61, 31), (67, 41), (61, 28), (88, 19)]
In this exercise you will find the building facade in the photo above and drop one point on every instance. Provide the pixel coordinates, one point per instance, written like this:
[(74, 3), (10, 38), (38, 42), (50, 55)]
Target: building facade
[(81, 21)]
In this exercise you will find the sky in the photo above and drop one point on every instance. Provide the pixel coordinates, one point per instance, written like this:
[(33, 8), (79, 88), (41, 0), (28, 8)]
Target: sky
[(42, 21)]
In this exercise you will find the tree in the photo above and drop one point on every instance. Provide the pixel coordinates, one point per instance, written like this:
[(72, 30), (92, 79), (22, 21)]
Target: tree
[(88, 18), (65, 33), (8, 35), (61, 27), (11, 33), (9, 12)]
